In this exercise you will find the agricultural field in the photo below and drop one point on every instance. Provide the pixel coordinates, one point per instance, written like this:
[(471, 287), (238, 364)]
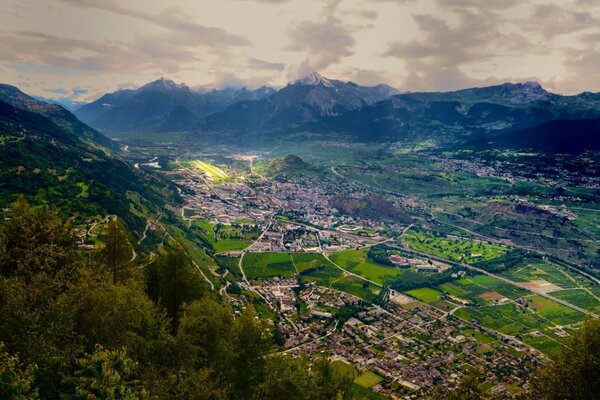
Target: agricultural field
[(579, 297), (224, 237), (323, 274), (482, 290), (543, 343), (507, 318), (542, 270), (358, 262), (553, 312), (268, 265), (461, 250), (357, 287), (359, 392), (309, 261)]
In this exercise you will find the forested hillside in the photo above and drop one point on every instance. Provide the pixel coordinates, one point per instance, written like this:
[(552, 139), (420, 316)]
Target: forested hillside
[(92, 325)]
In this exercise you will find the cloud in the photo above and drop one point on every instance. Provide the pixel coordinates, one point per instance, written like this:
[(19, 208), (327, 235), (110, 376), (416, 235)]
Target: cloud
[(268, 1), (551, 20), (34, 48), (325, 42), (174, 19), (254, 63), (449, 43)]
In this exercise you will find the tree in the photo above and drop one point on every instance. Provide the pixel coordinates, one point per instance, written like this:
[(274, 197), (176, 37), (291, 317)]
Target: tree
[(574, 371), (114, 316), (320, 381), (106, 375), (204, 333), (15, 382), (467, 389), (117, 253), (172, 280), (36, 241)]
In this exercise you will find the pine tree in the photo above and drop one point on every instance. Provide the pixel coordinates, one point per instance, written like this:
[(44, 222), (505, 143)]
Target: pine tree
[(117, 253)]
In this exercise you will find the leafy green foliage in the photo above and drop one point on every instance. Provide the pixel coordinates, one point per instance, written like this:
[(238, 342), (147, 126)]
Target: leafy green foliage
[(35, 241), (574, 371), (117, 252), (15, 382), (172, 280), (106, 375)]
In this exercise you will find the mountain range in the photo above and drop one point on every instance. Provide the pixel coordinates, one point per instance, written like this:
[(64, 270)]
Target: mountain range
[(326, 108), (161, 106)]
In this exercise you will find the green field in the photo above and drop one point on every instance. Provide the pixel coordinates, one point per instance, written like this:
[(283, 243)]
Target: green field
[(213, 173), (544, 343), (480, 336), (457, 250), (368, 379), (507, 319), (554, 312), (305, 262), (356, 287), (482, 290), (541, 270), (426, 295), (324, 275), (358, 262), (580, 298), (224, 237), (268, 265)]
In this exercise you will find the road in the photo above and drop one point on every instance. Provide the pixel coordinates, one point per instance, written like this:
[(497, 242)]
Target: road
[(212, 286), (241, 264)]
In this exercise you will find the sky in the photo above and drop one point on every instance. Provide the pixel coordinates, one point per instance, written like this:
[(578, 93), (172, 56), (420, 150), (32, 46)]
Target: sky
[(80, 49)]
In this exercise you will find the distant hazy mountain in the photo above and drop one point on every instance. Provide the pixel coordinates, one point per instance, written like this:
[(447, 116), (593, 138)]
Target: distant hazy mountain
[(322, 107), (561, 136), (461, 115), (45, 158), (66, 102), (56, 113), (306, 100), (160, 106)]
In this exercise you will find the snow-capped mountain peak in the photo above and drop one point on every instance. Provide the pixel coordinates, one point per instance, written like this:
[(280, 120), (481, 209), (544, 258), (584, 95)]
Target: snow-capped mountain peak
[(314, 79), (164, 84)]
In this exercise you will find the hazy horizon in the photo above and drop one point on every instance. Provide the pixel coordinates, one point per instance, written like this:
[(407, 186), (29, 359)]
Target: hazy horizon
[(80, 49)]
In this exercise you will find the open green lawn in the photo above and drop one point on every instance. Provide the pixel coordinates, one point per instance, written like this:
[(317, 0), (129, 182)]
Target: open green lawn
[(426, 295), (229, 245), (480, 336), (268, 265), (361, 393), (368, 379), (358, 262), (462, 250)]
